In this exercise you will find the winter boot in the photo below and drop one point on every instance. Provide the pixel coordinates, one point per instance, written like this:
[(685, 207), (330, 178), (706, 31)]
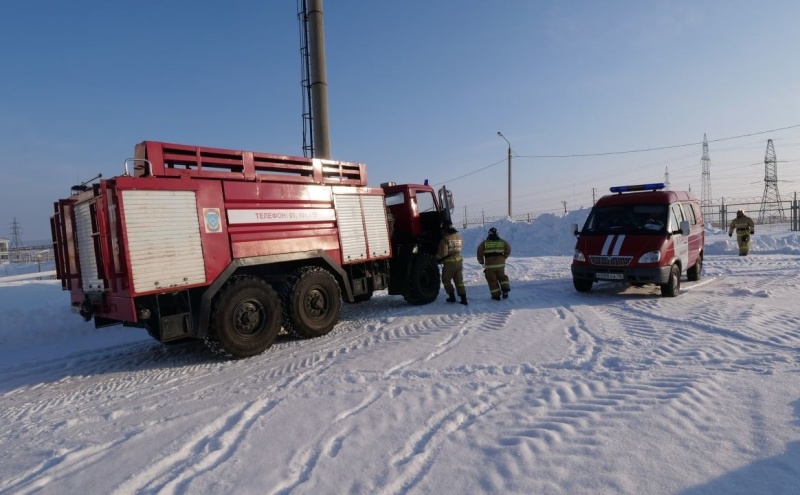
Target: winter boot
[(451, 298), (505, 294), (464, 299), (496, 297)]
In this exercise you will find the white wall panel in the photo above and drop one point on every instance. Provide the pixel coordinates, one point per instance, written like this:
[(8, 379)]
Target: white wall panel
[(354, 214), (90, 279), (163, 233)]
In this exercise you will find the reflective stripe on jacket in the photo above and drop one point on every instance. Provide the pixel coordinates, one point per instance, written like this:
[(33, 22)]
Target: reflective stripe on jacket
[(492, 253), (450, 248), (742, 224)]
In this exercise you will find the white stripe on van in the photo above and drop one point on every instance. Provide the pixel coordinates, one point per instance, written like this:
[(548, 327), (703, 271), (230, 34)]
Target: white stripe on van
[(618, 245), (607, 245)]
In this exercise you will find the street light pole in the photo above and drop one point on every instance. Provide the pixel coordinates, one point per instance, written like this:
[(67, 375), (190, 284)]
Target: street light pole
[(509, 172)]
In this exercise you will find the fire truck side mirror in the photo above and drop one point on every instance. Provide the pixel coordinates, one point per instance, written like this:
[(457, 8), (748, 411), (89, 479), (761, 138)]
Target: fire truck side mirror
[(446, 199)]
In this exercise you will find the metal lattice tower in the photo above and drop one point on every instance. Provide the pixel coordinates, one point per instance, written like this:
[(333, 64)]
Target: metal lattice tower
[(705, 192), (16, 234), (771, 206), (666, 177)]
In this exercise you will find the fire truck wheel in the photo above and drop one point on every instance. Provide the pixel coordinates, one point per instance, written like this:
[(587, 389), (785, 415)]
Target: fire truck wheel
[(673, 286), (582, 285), (246, 317), (424, 280), (693, 273), (312, 302)]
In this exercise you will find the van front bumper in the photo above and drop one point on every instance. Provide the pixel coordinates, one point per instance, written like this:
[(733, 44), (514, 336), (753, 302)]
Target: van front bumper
[(645, 275)]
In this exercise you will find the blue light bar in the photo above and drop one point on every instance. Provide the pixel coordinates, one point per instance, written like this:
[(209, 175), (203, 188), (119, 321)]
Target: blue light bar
[(638, 187)]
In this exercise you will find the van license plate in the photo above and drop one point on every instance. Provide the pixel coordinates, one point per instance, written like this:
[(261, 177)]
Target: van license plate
[(610, 276)]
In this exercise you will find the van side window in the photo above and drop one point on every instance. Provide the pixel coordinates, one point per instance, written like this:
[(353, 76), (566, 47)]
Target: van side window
[(698, 215), (676, 217), (688, 213)]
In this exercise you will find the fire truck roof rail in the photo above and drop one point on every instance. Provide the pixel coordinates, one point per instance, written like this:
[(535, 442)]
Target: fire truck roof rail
[(180, 160)]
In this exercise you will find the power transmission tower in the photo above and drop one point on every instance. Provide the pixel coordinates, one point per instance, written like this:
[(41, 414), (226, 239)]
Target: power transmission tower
[(705, 193), (666, 177), (771, 206), (16, 234)]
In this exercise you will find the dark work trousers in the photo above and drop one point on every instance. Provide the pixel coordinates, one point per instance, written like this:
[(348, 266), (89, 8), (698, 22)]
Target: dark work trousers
[(453, 271), (497, 280)]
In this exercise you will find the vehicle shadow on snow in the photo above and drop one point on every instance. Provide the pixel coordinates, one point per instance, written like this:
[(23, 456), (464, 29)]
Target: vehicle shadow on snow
[(776, 474), (153, 355), (118, 358), (629, 290)]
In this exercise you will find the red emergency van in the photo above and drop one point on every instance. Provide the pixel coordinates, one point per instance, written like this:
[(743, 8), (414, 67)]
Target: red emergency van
[(641, 234)]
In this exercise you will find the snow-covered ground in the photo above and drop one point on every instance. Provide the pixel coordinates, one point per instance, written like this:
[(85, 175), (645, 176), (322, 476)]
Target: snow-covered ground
[(616, 391)]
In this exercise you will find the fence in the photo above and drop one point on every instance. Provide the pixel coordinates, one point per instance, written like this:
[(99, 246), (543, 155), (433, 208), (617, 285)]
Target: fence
[(30, 254), (481, 220), (779, 213), (717, 214)]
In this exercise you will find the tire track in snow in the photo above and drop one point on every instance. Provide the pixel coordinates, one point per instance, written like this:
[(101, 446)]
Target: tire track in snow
[(411, 463), (303, 464), (60, 464), (571, 420), (207, 449)]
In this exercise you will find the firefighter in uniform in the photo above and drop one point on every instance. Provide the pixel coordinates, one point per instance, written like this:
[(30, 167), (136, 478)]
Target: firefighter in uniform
[(744, 227), (492, 254), (449, 255)]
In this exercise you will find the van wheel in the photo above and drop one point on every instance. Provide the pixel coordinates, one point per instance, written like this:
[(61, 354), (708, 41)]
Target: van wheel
[(673, 286), (582, 285), (246, 317), (693, 273), (312, 302), (424, 280)]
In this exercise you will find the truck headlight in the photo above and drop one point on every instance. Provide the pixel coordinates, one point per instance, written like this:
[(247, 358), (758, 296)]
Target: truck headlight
[(650, 257), (578, 256)]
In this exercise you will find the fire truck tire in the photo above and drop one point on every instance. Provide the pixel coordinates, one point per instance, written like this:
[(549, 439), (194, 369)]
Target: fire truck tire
[(673, 286), (582, 285), (246, 317), (424, 280), (312, 302), (693, 273)]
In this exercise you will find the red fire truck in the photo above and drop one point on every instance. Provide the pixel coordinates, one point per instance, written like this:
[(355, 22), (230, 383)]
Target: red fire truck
[(230, 246)]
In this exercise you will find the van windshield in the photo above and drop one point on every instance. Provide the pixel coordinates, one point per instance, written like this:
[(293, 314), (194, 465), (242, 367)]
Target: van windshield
[(644, 219)]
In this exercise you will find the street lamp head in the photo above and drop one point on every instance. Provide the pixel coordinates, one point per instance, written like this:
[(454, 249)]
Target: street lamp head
[(506, 139)]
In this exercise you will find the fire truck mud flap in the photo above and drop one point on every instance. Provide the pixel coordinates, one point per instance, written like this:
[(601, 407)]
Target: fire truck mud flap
[(424, 280)]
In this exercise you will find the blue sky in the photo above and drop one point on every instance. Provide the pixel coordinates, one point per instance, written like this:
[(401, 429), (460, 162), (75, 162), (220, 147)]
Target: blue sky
[(417, 90)]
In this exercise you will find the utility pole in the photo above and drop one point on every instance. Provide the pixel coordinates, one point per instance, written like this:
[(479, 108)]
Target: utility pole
[(509, 172)]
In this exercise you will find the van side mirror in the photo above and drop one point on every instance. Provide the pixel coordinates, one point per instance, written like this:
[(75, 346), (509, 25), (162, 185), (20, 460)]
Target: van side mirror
[(574, 228), (685, 227)]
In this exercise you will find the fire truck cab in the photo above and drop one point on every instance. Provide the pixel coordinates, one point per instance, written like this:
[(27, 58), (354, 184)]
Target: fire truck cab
[(641, 234)]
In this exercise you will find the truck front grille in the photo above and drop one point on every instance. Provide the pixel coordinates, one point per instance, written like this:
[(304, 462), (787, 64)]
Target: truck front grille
[(610, 260)]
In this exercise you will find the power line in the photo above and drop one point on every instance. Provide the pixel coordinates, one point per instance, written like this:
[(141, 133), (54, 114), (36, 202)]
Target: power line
[(660, 147), (474, 172), (620, 152)]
